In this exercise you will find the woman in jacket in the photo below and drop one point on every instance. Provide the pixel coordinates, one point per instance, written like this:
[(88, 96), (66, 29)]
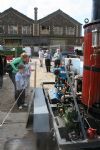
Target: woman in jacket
[(14, 67)]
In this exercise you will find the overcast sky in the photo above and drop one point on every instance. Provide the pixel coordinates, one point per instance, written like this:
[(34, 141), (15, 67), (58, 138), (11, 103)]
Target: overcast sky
[(77, 9)]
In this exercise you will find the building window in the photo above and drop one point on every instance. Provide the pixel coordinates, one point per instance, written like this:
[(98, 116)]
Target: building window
[(70, 30), (58, 30), (26, 30), (44, 29), (96, 38), (1, 29), (12, 29)]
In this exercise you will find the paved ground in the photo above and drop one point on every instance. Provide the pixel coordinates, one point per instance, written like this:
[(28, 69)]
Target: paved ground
[(15, 124)]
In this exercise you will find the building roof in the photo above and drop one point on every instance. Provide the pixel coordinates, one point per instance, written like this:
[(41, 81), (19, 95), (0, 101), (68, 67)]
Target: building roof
[(16, 13), (42, 20), (59, 12)]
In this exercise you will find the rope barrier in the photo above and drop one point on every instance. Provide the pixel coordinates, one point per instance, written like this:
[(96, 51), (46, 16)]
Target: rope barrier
[(7, 115)]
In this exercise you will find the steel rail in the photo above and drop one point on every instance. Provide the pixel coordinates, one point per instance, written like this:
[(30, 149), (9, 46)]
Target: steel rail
[(76, 105)]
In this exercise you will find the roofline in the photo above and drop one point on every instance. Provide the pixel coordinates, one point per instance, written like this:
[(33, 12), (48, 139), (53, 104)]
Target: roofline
[(17, 13), (42, 19), (70, 18)]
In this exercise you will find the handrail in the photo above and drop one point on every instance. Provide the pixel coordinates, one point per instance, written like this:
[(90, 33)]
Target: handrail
[(76, 105), (35, 74)]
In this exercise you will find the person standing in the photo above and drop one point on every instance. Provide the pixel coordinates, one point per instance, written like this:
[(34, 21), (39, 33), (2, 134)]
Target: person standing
[(3, 64), (20, 86), (47, 57), (27, 76), (69, 65), (1, 72), (41, 56), (57, 58), (28, 51), (14, 67)]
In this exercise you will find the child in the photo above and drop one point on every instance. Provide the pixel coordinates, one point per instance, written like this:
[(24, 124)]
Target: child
[(27, 76), (20, 86)]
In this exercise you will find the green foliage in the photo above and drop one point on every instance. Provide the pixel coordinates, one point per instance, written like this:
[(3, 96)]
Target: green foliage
[(70, 116)]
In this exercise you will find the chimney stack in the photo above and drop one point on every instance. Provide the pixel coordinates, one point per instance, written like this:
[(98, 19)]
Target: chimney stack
[(35, 22), (35, 13), (96, 10)]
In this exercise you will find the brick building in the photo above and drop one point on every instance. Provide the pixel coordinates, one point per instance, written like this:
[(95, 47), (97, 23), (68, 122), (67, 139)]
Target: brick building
[(55, 30)]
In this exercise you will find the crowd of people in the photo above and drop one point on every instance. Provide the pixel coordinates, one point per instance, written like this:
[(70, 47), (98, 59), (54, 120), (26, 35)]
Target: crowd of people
[(19, 71), (20, 76), (57, 58)]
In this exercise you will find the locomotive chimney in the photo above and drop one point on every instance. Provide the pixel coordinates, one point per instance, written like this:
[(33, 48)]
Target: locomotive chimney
[(35, 13), (96, 10), (35, 22)]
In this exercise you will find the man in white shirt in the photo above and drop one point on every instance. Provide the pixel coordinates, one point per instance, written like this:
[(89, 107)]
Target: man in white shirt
[(41, 56), (57, 58)]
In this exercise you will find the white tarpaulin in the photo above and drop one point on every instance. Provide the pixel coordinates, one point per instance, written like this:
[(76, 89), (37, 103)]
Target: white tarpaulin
[(77, 65), (27, 49)]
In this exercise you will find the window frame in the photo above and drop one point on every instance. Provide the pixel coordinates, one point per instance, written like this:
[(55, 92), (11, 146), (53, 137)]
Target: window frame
[(69, 30), (27, 30), (58, 30), (12, 31)]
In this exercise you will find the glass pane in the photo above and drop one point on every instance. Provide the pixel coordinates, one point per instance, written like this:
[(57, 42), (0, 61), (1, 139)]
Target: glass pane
[(58, 30), (26, 30), (70, 30), (94, 38), (12, 30)]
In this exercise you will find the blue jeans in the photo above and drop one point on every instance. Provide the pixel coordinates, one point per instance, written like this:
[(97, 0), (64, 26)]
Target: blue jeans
[(12, 77)]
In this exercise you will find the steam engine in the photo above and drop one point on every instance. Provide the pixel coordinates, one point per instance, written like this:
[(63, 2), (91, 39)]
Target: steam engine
[(91, 74)]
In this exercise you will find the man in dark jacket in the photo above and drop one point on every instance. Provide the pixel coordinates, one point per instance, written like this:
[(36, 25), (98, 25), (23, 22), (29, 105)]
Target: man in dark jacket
[(2, 68)]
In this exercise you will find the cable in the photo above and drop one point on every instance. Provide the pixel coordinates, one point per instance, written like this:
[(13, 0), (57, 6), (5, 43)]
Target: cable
[(10, 109)]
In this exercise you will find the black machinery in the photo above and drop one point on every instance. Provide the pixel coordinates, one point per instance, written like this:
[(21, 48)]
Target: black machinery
[(59, 113)]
